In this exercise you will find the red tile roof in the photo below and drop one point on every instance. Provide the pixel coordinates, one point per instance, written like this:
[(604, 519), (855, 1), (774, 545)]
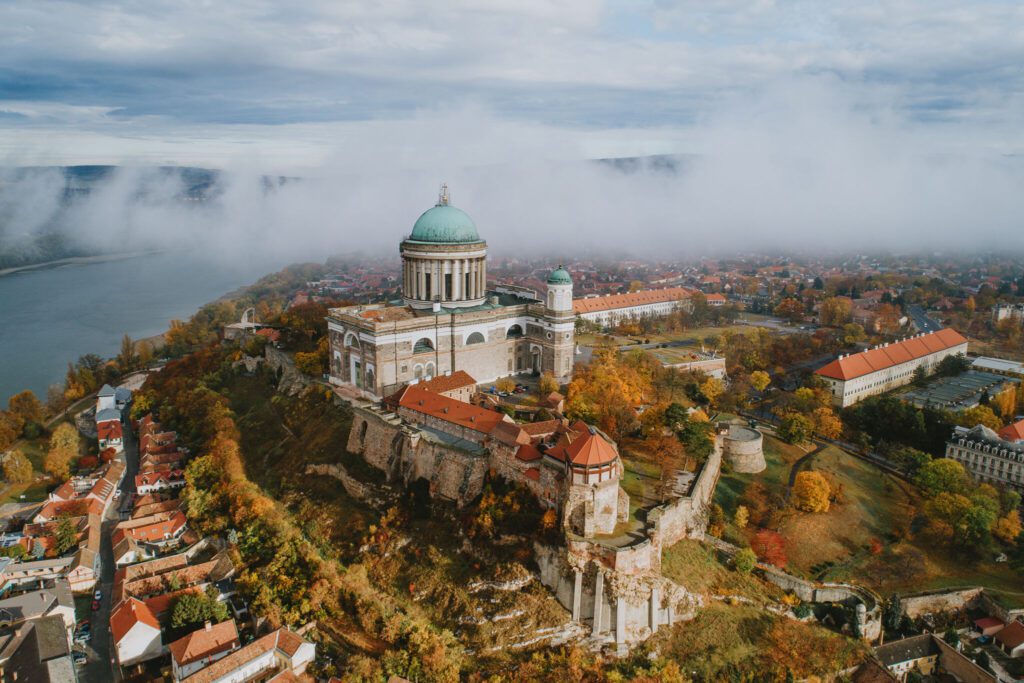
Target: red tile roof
[(205, 642), (1014, 432), (613, 301), (584, 447), (129, 613), (1011, 636), (527, 453), (441, 407), (456, 380), (106, 431), (159, 604), (873, 360)]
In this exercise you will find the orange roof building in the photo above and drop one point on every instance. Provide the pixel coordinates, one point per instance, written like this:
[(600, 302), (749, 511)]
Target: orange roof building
[(612, 308), (1013, 433), (857, 376), (422, 406), (203, 647)]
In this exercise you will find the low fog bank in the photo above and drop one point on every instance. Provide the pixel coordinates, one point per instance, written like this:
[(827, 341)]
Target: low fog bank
[(796, 170)]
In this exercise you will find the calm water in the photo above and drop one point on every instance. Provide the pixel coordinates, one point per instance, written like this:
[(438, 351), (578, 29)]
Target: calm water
[(52, 316)]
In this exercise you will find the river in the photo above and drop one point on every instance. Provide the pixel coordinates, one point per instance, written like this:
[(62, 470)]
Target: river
[(51, 316)]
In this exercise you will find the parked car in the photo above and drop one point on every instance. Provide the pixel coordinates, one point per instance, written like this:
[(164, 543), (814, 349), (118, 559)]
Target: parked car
[(95, 605), (97, 595), (117, 494), (79, 658), (83, 638)]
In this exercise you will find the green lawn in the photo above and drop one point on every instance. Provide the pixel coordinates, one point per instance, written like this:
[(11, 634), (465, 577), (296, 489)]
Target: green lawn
[(696, 566), (779, 458)]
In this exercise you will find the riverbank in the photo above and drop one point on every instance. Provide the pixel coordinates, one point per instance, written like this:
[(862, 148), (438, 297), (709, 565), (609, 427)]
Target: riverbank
[(76, 260)]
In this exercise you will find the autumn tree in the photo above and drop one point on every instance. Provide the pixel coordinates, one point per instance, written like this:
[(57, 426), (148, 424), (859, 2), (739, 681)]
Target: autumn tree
[(711, 389), (827, 424), (1008, 527), (63, 448), (745, 560), (741, 517), (770, 547), (791, 309), (941, 476), (547, 384), (835, 311), (506, 385), (10, 429), (26, 406), (811, 492), (17, 468), (759, 380), (979, 415), (126, 358), (795, 428)]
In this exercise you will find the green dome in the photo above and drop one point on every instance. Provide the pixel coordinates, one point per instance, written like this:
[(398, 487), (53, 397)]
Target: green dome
[(560, 276), (446, 224)]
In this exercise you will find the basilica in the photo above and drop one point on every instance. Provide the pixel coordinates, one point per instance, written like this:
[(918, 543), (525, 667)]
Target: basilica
[(448, 320)]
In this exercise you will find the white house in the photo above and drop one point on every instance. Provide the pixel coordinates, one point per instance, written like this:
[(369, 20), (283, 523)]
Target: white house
[(203, 647), (613, 308), (276, 652), (136, 632)]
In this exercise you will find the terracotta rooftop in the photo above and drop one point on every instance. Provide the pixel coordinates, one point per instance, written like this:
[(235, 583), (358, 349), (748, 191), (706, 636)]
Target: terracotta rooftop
[(129, 613), (613, 301), (206, 642), (584, 446), (879, 358), (1011, 636), (420, 400), (281, 639), (456, 380), (1014, 432)]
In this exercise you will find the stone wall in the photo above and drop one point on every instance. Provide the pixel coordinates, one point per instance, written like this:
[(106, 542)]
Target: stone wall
[(940, 601), (407, 454), (686, 517), (626, 608), (352, 486)]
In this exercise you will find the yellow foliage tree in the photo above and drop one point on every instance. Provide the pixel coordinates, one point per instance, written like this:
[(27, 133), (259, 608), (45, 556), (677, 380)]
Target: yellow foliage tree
[(759, 379), (547, 384), (742, 517), (1008, 528), (712, 389), (811, 492), (826, 423), (979, 415)]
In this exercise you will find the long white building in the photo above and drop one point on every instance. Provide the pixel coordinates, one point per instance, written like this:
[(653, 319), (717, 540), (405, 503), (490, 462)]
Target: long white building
[(856, 376), (613, 308)]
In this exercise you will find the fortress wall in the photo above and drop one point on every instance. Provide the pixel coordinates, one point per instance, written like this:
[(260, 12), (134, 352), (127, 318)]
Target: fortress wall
[(686, 517), (944, 601), (376, 439)]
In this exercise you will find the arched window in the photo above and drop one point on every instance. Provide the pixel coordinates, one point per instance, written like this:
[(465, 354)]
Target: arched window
[(370, 379), (429, 369), (422, 346), (417, 372), (514, 332), (475, 338), (350, 339)]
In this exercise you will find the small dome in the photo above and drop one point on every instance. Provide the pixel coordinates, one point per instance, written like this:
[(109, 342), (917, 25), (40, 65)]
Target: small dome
[(445, 224), (560, 276)]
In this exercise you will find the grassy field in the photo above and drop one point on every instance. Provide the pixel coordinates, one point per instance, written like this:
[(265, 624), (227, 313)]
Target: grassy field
[(864, 535), (695, 566), (34, 491), (737, 642)]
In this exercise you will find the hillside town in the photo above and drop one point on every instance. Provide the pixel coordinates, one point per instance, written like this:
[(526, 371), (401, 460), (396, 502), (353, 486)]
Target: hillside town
[(833, 449)]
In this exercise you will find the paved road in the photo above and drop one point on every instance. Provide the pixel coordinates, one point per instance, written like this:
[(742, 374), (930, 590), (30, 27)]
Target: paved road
[(101, 666), (921, 320)]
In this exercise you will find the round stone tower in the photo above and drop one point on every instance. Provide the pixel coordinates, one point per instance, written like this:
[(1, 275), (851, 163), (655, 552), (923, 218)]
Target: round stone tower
[(444, 261), (742, 447)]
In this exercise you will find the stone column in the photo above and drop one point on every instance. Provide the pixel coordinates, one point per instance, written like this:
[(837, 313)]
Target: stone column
[(421, 281), (620, 620), (577, 594), (457, 293), (598, 602)]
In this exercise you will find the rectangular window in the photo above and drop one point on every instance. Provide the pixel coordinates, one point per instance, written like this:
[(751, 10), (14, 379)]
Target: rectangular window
[(428, 294), (448, 286)]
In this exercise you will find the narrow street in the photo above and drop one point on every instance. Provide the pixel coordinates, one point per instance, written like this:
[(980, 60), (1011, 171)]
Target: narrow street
[(101, 666)]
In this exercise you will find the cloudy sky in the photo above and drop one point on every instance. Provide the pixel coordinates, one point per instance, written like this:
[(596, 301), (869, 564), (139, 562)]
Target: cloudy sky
[(811, 118), (198, 81)]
